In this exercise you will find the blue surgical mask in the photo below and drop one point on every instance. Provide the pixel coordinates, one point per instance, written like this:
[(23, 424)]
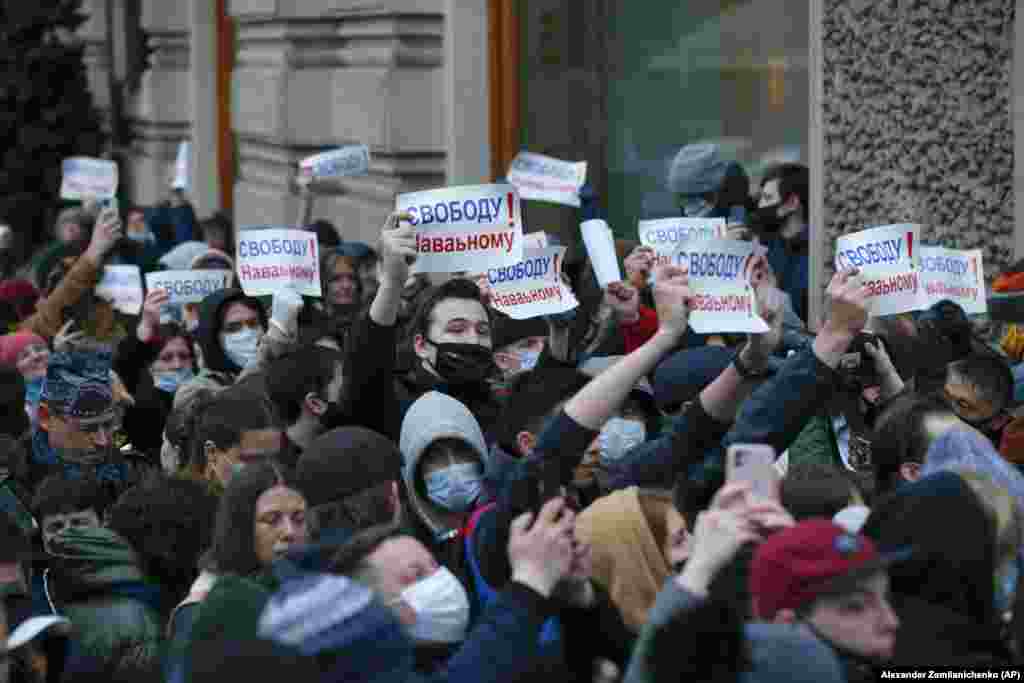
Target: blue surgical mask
[(242, 347), (456, 487), (528, 360), (170, 380), (618, 437), (141, 237), (1006, 586), (34, 390)]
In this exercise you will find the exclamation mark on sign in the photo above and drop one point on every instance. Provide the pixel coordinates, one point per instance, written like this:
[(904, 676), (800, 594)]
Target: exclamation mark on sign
[(558, 272), (316, 261), (511, 212), (910, 245)]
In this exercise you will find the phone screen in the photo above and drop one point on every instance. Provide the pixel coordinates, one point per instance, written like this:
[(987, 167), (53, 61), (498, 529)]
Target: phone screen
[(754, 463)]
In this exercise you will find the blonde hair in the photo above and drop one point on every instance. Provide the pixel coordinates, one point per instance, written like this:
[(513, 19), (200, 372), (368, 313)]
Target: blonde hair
[(1001, 509)]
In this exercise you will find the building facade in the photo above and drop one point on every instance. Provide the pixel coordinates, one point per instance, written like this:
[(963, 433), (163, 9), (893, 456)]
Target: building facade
[(905, 110)]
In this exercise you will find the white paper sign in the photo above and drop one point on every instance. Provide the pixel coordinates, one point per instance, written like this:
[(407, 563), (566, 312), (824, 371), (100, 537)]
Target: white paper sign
[(956, 275), (719, 273), (468, 228), (122, 287), (86, 177), (350, 160), (535, 240), (275, 259), (666, 235), (887, 261), (181, 167), (547, 179), (532, 287), (600, 244), (188, 286)]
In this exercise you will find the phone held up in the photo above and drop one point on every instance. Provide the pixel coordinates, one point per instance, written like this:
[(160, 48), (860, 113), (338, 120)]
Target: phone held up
[(753, 463)]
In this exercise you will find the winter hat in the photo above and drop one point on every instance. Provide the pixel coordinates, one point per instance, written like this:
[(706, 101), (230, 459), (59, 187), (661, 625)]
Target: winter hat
[(78, 383), (508, 330), (683, 375), (815, 557), (11, 346), (697, 169), (354, 250), (344, 462), (213, 259), (337, 620)]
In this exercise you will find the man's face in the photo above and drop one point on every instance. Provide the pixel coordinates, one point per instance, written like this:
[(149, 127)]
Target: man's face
[(135, 223), (70, 231), (280, 523), (861, 621), (343, 285), (256, 445), (81, 440), (56, 524), (966, 403), (397, 564), (510, 358), (770, 194), (454, 321)]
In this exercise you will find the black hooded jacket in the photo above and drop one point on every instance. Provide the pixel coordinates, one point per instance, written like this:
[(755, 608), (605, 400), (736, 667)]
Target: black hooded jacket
[(944, 593), (208, 333)]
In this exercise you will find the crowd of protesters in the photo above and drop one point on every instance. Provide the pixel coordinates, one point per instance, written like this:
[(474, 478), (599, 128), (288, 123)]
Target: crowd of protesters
[(396, 482)]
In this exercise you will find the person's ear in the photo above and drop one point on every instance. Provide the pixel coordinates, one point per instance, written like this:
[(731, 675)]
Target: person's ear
[(419, 345), (785, 616), (526, 442), (43, 416), (314, 404), (910, 471)]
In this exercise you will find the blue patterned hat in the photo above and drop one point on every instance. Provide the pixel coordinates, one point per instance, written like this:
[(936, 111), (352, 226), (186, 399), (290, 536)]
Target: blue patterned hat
[(78, 383)]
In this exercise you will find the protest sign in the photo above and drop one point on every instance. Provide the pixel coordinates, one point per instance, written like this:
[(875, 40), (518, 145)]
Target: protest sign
[(547, 179), (350, 160), (532, 287), (188, 286), (180, 181), (888, 266), (122, 287), (600, 244), (666, 235), (467, 228), (535, 240), (956, 275), (275, 259), (719, 273), (84, 177)]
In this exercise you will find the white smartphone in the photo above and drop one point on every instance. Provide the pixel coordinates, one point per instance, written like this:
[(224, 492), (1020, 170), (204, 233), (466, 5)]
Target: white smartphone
[(754, 463)]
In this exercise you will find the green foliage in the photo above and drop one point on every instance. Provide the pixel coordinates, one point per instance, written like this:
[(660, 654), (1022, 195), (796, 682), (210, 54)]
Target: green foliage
[(46, 110)]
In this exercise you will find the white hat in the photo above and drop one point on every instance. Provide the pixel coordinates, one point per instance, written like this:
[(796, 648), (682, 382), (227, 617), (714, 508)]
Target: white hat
[(852, 518), (29, 629)]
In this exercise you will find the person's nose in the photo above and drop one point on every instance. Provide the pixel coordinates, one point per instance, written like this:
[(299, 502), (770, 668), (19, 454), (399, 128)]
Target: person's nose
[(890, 621), (103, 437)]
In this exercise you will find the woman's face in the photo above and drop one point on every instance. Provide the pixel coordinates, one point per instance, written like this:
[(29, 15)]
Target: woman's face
[(32, 361), (280, 523), (343, 284), (175, 355)]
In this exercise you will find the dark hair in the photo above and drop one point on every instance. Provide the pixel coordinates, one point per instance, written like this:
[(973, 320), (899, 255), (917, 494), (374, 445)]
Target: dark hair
[(292, 377), (219, 223), (15, 545), (172, 330), (169, 522), (900, 435), (12, 403), (223, 417), (58, 495), (989, 376), (234, 547), (536, 397), (793, 179), (14, 456), (367, 508), (815, 490), (350, 558), (456, 288), (326, 233)]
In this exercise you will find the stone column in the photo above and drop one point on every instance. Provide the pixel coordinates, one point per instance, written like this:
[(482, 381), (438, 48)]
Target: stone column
[(314, 74)]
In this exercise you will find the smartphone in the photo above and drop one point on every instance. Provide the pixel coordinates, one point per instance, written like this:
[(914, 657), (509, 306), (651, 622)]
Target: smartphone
[(754, 463)]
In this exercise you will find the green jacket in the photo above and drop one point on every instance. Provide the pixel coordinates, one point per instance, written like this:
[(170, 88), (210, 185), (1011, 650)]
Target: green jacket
[(95, 581)]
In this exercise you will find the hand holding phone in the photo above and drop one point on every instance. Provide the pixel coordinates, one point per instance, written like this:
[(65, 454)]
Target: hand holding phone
[(755, 464)]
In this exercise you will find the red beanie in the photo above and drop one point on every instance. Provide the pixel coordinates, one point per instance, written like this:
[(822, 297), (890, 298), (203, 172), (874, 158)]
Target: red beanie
[(13, 344)]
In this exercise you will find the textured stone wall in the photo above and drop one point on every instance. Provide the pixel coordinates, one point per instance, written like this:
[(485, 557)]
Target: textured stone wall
[(917, 118)]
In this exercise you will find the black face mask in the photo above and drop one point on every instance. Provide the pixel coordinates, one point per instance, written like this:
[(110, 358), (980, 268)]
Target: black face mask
[(335, 416), (463, 364), (768, 218)]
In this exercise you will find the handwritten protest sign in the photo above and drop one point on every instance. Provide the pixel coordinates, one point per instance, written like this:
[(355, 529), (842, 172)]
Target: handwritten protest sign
[(547, 179), (887, 261), (180, 181), (719, 273), (84, 177), (532, 287), (122, 287), (600, 245), (471, 228), (350, 160), (956, 275), (188, 286), (535, 240), (275, 259)]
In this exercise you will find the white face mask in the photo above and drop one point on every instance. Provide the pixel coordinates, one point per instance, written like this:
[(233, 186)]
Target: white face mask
[(441, 606), (619, 436), (242, 347)]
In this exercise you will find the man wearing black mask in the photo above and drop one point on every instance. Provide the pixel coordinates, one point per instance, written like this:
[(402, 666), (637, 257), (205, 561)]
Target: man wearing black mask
[(781, 220)]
